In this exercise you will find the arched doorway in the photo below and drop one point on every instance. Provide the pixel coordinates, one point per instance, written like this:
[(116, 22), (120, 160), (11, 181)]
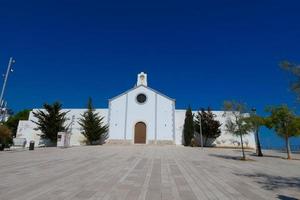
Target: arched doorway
[(140, 133)]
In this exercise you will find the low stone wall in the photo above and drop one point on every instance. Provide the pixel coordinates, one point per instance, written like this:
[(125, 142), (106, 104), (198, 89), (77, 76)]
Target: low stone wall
[(161, 142), (116, 141), (151, 142)]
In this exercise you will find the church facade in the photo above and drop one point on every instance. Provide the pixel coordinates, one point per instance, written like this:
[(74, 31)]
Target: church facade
[(140, 115)]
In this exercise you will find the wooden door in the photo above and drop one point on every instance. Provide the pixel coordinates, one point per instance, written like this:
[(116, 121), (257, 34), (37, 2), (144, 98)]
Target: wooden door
[(140, 133)]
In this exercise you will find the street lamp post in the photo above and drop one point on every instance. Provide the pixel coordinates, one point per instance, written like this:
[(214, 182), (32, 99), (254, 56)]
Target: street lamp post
[(9, 69), (200, 130)]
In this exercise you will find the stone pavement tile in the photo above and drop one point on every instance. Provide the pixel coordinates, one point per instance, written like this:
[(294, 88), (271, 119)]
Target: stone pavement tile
[(145, 172), (153, 194), (84, 194), (133, 194)]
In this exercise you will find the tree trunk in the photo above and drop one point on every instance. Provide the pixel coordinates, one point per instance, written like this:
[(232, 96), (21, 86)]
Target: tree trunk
[(244, 156), (205, 141), (258, 150), (288, 149)]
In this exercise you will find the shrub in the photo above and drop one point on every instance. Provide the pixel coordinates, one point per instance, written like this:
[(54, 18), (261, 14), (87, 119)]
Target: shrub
[(5, 135)]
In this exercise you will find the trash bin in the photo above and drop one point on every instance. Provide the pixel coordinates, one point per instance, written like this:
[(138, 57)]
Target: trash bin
[(31, 145)]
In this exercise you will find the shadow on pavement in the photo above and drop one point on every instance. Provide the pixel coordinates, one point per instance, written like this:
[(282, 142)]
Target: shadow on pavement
[(270, 156), (270, 182), (284, 197), (226, 156)]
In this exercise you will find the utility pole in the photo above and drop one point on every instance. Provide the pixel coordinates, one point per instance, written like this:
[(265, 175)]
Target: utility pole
[(9, 69)]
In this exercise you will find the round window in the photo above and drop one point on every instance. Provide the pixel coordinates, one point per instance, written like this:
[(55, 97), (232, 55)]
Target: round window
[(141, 98)]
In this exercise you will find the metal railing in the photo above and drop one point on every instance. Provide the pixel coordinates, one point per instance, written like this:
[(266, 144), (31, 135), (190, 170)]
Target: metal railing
[(295, 148)]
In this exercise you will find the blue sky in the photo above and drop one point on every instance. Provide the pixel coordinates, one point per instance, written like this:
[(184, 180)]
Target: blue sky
[(198, 52)]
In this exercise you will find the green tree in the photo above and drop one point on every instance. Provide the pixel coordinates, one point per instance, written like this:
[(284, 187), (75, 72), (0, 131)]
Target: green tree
[(94, 129), (5, 136), (236, 123), (256, 122), (295, 70), (13, 121), (188, 128), (209, 125), (50, 121), (285, 123)]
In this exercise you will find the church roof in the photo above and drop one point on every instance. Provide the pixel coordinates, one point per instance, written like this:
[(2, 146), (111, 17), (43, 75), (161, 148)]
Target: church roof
[(155, 91)]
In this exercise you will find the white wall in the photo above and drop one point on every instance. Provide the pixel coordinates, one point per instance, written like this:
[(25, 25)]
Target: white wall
[(26, 130), (179, 122), (158, 113), (26, 127), (165, 116), (135, 113), (117, 118), (226, 139)]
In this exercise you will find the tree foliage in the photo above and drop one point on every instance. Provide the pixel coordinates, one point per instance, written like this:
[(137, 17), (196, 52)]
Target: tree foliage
[(255, 121), (50, 120), (209, 125), (236, 122), (13, 121), (285, 123), (5, 135), (295, 70), (94, 129), (188, 128)]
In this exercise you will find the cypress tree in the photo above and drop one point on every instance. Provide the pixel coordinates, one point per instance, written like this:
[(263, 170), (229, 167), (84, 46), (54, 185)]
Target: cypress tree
[(94, 129), (188, 128)]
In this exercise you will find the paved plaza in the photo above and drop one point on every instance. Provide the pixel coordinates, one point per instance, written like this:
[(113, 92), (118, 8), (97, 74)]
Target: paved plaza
[(146, 172)]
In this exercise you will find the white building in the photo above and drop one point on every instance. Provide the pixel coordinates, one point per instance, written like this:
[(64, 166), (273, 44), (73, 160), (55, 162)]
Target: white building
[(139, 115)]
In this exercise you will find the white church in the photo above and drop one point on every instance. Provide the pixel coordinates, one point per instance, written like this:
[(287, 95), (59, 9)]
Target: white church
[(140, 115)]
